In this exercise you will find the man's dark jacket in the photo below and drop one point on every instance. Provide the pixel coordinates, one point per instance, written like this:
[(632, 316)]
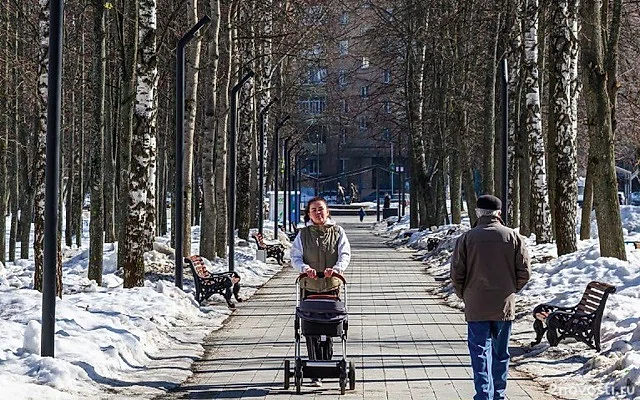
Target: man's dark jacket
[(490, 264)]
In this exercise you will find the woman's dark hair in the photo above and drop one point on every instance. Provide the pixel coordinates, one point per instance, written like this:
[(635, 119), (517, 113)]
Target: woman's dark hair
[(307, 217)]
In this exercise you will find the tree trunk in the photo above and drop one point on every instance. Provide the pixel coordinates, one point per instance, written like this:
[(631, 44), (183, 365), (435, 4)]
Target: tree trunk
[(15, 175), (539, 197), (562, 138), (455, 174), (245, 124), (142, 176), (524, 166), (70, 184), (587, 200), (129, 50), (489, 122), (208, 225), (78, 155), (601, 139), (96, 227), (467, 172), (221, 134), (513, 87), (110, 168), (40, 156), (192, 73), (4, 142)]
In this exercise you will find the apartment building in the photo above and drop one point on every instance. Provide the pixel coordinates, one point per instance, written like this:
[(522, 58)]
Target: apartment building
[(349, 98)]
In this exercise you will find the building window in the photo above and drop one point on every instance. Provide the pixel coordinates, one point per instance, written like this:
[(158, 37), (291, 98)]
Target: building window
[(365, 63), (343, 135), (344, 106), (316, 76), (387, 106), (386, 76), (313, 106), (344, 18), (315, 16), (364, 92), (363, 122), (342, 78), (344, 47), (389, 14), (343, 165), (386, 134), (314, 166)]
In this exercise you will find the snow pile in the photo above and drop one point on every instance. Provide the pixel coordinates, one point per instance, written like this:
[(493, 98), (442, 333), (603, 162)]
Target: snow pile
[(571, 370), (111, 341)]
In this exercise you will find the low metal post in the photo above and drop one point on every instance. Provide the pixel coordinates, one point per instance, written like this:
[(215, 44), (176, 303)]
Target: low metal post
[(377, 194)]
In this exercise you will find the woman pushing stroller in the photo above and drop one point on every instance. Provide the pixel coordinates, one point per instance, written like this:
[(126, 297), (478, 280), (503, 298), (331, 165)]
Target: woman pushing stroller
[(320, 249)]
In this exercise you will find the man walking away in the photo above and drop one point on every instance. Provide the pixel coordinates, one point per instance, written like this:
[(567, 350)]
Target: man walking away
[(489, 265)]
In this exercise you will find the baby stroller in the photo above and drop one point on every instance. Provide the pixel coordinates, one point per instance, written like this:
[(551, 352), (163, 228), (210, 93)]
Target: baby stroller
[(321, 316)]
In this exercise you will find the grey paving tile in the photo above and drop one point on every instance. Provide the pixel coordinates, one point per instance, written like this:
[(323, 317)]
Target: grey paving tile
[(405, 343)]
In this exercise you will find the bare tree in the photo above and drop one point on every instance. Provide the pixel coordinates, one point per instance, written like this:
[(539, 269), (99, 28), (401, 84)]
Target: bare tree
[(562, 134), (96, 225), (192, 75), (599, 59), (539, 200)]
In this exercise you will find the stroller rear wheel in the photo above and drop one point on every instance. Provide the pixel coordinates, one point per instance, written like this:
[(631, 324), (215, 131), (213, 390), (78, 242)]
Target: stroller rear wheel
[(298, 375), (352, 376), (287, 374), (298, 385)]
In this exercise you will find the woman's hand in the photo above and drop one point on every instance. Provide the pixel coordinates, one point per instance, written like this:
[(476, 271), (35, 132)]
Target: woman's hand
[(311, 273), (328, 272)]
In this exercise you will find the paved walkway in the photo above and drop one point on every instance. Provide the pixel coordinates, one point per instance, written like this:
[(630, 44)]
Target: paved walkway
[(406, 343)]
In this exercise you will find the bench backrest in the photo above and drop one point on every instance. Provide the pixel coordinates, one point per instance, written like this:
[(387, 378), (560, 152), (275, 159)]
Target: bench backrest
[(197, 266), (595, 297), (260, 240)]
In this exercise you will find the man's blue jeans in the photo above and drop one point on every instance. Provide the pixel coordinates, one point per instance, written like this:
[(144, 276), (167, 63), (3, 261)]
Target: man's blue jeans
[(489, 350)]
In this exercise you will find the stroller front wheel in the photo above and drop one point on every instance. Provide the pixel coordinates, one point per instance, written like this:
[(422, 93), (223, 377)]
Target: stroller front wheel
[(287, 374), (343, 385), (352, 376)]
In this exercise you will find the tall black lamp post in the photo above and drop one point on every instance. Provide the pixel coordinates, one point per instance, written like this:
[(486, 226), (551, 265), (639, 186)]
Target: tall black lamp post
[(178, 192), (276, 171), (231, 183), (289, 184), (285, 182), (52, 175), (298, 179), (261, 166)]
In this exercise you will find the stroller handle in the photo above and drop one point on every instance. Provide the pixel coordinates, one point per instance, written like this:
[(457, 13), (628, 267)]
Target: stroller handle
[(321, 275)]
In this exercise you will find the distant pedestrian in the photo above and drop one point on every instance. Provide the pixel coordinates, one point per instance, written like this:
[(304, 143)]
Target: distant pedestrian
[(387, 201), (489, 265), (362, 213)]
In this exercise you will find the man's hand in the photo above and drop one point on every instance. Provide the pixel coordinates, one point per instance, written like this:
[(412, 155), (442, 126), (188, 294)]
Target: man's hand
[(328, 272), (311, 273)]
